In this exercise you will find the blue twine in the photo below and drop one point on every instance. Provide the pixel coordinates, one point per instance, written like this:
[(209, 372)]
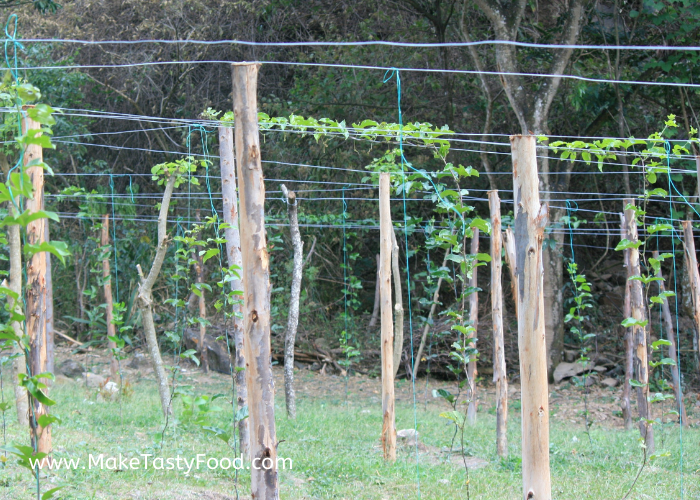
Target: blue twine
[(392, 73)]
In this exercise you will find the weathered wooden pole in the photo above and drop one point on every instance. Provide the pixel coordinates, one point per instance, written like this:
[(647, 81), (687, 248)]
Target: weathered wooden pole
[(293, 316), (474, 321), (235, 263), (499, 357), (37, 290), (256, 285), (625, 403), (639, 331), (109, 306), (387, 348), (672, 349), (691, 261), (530, 221), (199, 279)]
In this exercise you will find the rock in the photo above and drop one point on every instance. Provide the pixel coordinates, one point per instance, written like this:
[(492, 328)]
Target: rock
[(94, 380), (409, 435), (609, 382), (600, 369), (591, 380), (567, 370), (217, 353), (139, 361), (570, 355), (71, 369)]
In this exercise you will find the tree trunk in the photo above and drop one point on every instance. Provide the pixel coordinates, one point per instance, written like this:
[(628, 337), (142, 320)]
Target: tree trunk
[(293, 316), (385, 237), (398, 303), (500, 377), (233, 252), (474, 321), (144, 299), (109, 306), (426, 328), (37, 291), (256, 285), (375, 310), (530, 221), (19, 364), (639, 333), (201, 302), (672, 349), (629, 351), (693, 275)]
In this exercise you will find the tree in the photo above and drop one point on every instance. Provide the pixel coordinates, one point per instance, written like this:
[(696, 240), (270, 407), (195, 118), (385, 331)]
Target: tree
[(531, 101)]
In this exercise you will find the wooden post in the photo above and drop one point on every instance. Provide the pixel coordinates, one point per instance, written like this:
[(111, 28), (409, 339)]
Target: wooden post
[(509, 246), (639, 333), (693, 275), (256, 285), (235, 262), (37, 291), (530, 221), (672, 349), (109, 306), (293, 316), (387, 347), (625, 403), (499, 357), (474, 321), (199, 279), (398, 302)]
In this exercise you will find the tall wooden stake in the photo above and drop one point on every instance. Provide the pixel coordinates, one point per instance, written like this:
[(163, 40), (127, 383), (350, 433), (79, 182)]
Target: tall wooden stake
[(639, 333), (109, 306), (235, 262), (256, 285), (530, 221), (625, 403), (694, 276), (293, 316), (387, 349), (199, 279), (499, 357), (474, 321), (672, 349), (37, 290)]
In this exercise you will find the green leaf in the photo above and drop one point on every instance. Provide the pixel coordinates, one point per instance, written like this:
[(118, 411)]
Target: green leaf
[(57, 248), (42, 113), (629, 322), (209, 254), (483, 257), (625, 244), (635, 383)]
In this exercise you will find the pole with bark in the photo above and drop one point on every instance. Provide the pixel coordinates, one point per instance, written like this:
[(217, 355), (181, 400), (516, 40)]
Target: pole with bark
[(530, 221), (474, 322), (144, 298), (37, 290), (691, 261), (639, 331), (256, 285), (293, 316), (672, 349), (385, 238), (500, 377), (398, 303), (235, 263), (109, 305), (629, 356), (19, 365), (199, 279)]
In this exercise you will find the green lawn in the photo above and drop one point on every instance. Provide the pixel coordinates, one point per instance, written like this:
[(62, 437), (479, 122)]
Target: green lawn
[(335, 450)]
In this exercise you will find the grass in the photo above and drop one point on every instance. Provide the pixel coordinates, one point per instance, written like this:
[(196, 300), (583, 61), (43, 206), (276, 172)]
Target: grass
[(335, 450)]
